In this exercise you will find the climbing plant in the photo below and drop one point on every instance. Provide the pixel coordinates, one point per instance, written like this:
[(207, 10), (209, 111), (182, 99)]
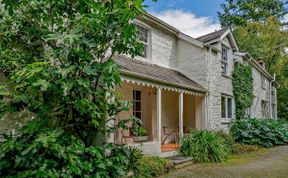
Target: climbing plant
[(242, 89)]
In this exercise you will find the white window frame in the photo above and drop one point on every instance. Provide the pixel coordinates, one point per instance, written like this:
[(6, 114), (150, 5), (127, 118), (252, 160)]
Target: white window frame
[(224, 59), (146, 43), (226, 99)]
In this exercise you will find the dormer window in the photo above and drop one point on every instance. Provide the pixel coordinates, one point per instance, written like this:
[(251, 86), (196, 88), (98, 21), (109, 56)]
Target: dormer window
[(143, 37), (224, 60)]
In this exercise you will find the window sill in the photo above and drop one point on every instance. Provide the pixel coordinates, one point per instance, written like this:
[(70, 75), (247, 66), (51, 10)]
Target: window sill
[(226, 76), (226, 121)]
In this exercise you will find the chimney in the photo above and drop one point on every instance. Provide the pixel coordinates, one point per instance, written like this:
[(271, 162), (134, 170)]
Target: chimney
[(261, 62)]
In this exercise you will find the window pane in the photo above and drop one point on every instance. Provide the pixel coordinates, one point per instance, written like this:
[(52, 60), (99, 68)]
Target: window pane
[(224, 54), (224, 67), (223, 107), (144, 52), (137, 103), (137, 114), (230, 108), (137, 106), (142, 34)]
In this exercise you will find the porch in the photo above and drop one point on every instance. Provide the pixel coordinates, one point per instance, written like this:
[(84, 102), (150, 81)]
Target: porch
[(166, 114)]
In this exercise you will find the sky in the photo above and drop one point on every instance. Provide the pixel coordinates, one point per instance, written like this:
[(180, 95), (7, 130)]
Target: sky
[(192, 17)]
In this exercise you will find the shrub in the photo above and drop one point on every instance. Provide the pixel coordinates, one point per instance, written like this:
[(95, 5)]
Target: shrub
[(242, 148), (54, 154), (204, 146), (266, 133), (229, 140), (151, 167)]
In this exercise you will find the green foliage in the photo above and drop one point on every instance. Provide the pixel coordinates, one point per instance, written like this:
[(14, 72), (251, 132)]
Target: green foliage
[(58, 59), (240, 12), (263, 40), (242, 148), (266, 133), (51, 153), (151, 167), (282, 78), (229, 140), (204, 146), (242, 89)]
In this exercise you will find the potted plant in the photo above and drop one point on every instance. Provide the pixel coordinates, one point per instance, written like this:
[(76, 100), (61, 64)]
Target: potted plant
[(140, 134)]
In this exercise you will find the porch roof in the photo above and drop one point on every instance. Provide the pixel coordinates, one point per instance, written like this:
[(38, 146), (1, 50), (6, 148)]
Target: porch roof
[(155, 73)]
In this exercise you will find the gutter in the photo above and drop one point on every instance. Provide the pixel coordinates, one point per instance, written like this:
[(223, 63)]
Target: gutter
[(270, 96)]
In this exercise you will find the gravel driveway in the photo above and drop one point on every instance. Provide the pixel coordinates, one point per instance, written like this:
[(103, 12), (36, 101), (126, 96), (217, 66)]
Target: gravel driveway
[(272, 163)]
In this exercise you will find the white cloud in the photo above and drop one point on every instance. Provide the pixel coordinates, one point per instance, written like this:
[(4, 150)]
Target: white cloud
[(187, 22)]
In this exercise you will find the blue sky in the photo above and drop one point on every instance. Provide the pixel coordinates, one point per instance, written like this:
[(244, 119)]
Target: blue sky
[(193, 17)]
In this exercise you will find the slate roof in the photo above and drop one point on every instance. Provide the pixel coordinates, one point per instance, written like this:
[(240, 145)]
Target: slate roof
[(212, 36), (156, 73)]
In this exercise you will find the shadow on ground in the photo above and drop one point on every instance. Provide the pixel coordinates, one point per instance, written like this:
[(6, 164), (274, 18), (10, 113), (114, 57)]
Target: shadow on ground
[(268, 163)]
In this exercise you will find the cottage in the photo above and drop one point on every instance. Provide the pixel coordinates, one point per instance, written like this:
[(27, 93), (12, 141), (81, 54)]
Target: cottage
[(180, 83)]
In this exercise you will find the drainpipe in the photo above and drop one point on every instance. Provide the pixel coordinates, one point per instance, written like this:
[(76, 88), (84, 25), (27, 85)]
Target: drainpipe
[(208, 95), (270, 95)]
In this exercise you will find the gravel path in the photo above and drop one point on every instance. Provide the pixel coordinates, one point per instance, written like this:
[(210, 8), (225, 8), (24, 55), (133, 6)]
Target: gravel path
[(273, 163)]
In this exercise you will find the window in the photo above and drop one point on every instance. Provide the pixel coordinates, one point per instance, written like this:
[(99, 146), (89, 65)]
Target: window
[(264, 109), (224, 60), (263, 81), (226, 107), (274, 110), (143, 37), (137, 112)]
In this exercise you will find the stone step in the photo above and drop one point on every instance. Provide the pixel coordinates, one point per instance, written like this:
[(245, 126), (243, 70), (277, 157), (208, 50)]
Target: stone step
[(180, 162)]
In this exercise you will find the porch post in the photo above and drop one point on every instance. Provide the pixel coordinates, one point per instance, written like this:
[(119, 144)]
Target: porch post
[(181, 115), (159, 113)]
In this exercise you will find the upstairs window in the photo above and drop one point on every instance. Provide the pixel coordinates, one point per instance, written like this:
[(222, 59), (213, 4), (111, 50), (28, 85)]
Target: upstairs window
[(143, 37), (137, 111), (224, 60), (226, 107), (263, 81), (264, 109)]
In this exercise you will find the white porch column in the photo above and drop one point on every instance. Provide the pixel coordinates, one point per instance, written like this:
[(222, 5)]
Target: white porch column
[(181, 115), (159, 113)]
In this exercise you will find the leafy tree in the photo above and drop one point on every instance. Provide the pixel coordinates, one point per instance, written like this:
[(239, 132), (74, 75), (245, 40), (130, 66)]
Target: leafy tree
[(58, 55), (240, 12), (58, 59), (263, 40)]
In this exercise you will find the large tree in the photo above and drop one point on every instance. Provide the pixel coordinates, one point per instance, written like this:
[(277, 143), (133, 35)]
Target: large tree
[(239, 12), (58, 58), (264, 41)]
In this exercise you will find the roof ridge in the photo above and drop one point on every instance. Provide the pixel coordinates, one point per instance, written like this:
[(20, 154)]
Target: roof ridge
[(216, 31)]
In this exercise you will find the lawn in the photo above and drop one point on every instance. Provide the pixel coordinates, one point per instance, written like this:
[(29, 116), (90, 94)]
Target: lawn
[(262, 163)]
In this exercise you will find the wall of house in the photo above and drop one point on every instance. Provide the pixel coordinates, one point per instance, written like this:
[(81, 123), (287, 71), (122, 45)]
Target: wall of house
[(189, 113), (192, 62), (163, 47), (148, 107), (170, 109), (260, 94), (220, 85)]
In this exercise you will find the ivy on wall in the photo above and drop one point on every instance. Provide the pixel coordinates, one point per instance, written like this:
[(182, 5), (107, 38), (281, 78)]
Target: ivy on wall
[(242, 89)]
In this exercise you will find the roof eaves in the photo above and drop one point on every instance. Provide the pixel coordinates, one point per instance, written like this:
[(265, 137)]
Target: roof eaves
[(133, 74)]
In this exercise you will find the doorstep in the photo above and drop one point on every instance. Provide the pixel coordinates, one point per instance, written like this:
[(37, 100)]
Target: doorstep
[(180, 162)]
